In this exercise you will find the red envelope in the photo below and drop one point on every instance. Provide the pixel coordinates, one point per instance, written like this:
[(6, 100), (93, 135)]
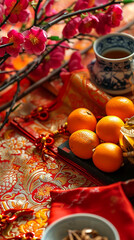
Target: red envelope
[(113, 202)]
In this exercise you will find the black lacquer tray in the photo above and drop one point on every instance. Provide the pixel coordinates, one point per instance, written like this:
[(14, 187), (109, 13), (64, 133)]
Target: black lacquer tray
[(126, 172)]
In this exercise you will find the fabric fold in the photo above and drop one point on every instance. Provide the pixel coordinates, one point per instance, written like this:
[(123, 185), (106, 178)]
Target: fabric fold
[(111, 202)]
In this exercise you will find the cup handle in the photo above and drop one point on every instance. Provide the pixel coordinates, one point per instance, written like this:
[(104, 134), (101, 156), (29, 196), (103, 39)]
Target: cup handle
[(132, 64), (132, 80)]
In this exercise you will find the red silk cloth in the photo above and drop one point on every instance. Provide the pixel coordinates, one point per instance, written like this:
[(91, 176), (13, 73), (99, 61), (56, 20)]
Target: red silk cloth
[(111, 202)]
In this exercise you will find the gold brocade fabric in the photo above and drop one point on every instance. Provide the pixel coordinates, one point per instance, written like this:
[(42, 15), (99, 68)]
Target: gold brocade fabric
[(25, 179)]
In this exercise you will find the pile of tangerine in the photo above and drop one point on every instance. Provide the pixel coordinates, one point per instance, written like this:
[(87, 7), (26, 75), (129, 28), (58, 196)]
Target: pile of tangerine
[(100, 140)]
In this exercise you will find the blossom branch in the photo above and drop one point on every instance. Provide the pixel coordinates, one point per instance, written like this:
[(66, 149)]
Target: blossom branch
[(5, 45), (9, 71), (51, 17), (41, 81), (33, 41), (30, 67), (7, 17), (54, 15), (42, 9), (11, 106), (6, 56), (68, 15), (22, 73), (36, 12)]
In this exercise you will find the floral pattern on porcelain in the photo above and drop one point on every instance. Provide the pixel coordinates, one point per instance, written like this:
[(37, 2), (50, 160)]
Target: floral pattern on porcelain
[(108, 78), (113, 74)]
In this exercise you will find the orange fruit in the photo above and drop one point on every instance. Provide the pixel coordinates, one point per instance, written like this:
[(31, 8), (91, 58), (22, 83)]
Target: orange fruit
[(81, 118), (121, 107), (108, 128), (82, 143), (107, 157)]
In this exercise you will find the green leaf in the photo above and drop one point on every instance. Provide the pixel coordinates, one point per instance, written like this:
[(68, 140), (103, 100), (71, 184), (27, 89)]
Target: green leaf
[(69, 10), (23, 27), (33, 4), (83, 15), (128, 1), (56, 38), (4, 17), (44, 23)]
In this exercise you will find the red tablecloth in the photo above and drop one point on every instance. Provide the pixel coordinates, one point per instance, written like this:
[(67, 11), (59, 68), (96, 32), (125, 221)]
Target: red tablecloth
[(25, 180), (111, 202)]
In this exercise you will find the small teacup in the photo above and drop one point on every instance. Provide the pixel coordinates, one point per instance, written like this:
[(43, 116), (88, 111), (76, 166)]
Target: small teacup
[(113, 68)]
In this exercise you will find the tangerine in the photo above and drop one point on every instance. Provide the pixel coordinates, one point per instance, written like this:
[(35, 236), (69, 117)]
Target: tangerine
[(82, 143), (81, 118), (121, 107), (107, 157), (108, 128)]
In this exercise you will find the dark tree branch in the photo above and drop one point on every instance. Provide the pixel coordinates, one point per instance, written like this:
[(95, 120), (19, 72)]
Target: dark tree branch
[(42, 9), (41, 81), (36, 11), (11, 106), (7, 17), (68, 15), (52, 17), (6, 56), (30, 67), (6, 45)]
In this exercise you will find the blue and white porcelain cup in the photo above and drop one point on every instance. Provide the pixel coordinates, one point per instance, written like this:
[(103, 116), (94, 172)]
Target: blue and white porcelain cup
[(113, 68)]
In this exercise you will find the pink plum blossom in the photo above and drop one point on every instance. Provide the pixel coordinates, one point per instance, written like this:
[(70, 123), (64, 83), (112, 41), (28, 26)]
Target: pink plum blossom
[(24, 16), (45, 68), (83, 4), (52, 60), (71, 28), (115, 15), (55, 57), (63, 46), (75, 62), (1, 13), (17, 39), (111, 18), (88, 23), (40, 72), (48, 9), (73, 65), (3, 49), (35, 40), (1, 1), (19, 13), (102, 27)]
